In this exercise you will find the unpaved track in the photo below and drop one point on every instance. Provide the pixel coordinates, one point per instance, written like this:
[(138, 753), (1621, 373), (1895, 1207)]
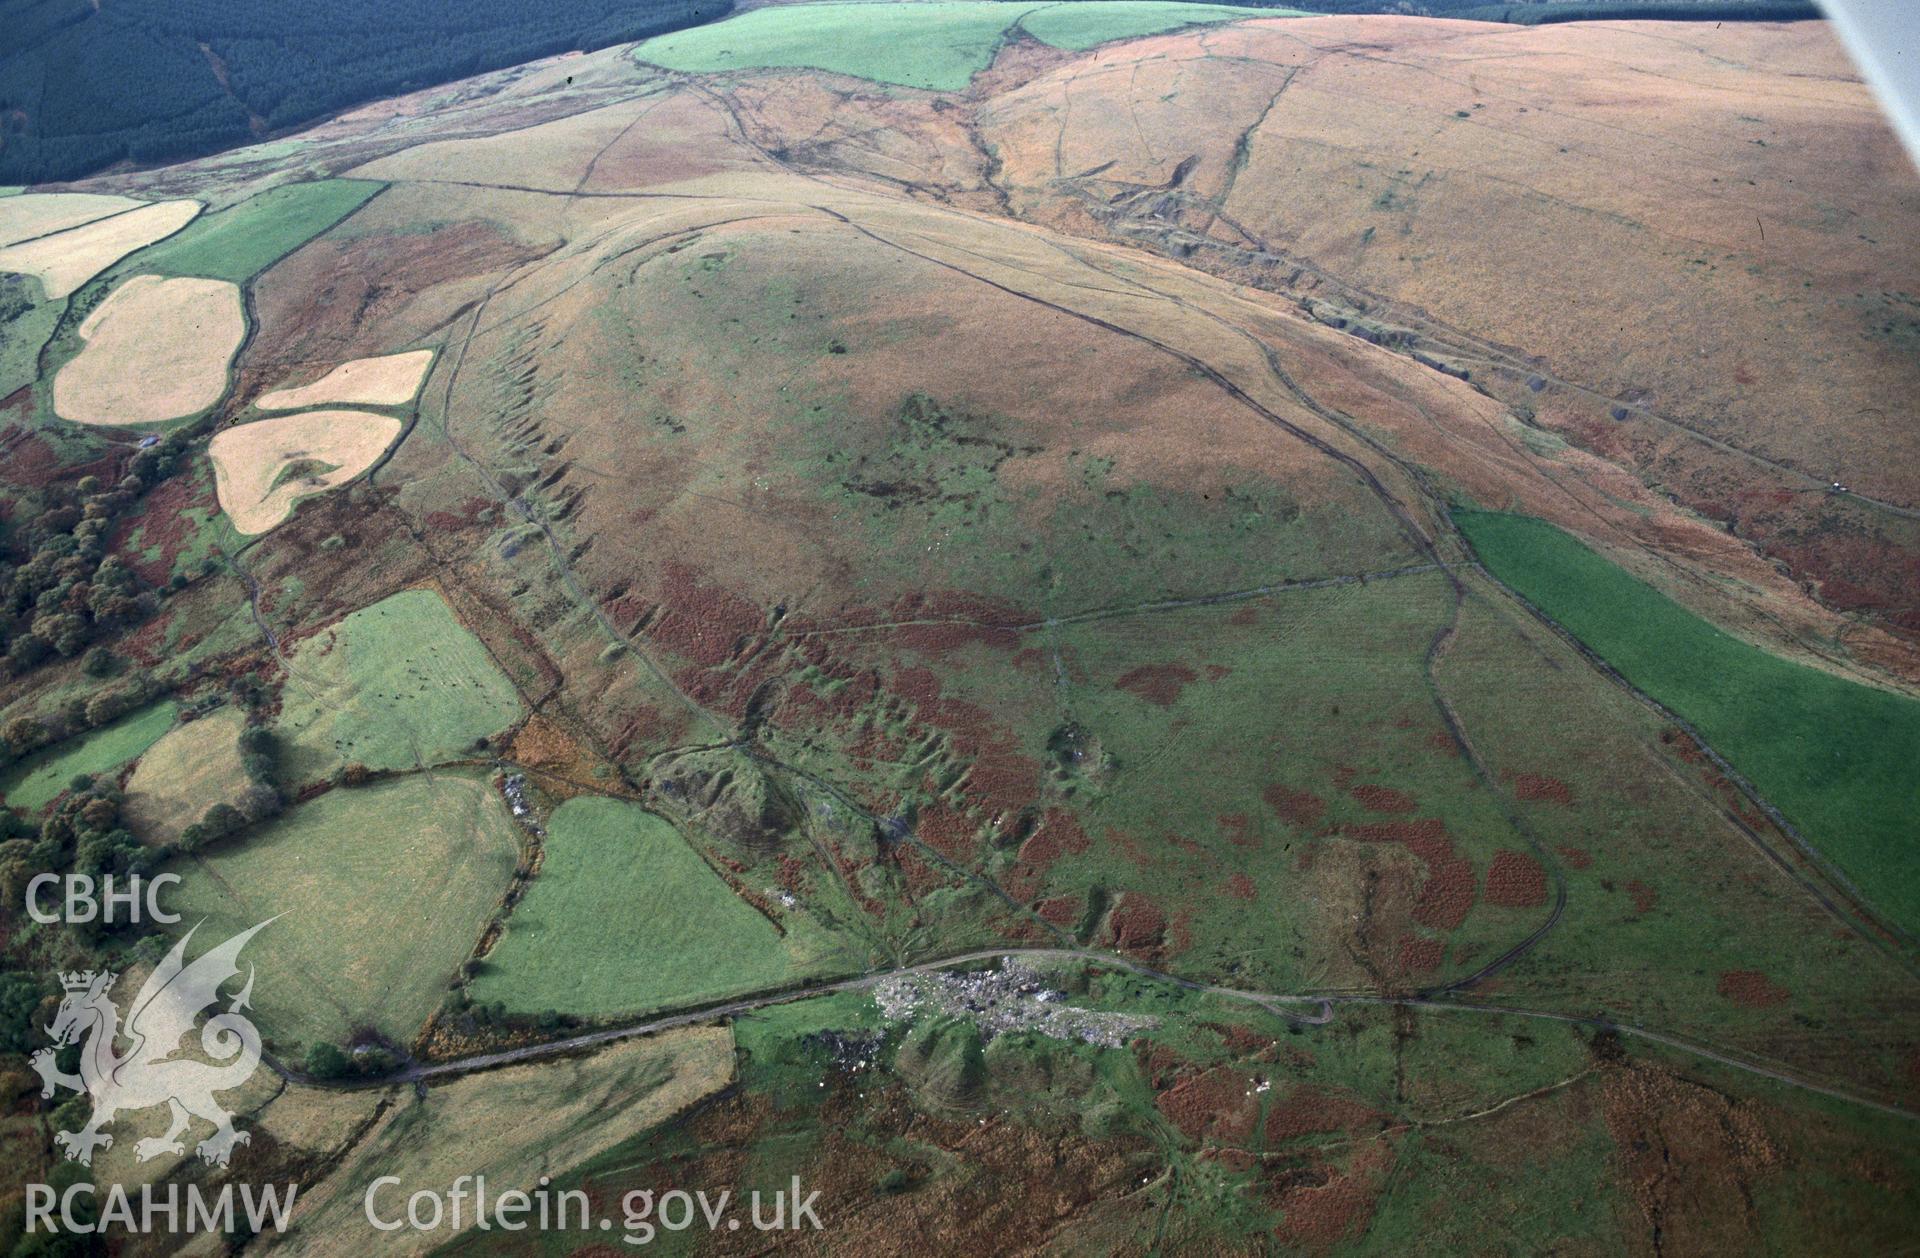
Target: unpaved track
[(1271, 1002)]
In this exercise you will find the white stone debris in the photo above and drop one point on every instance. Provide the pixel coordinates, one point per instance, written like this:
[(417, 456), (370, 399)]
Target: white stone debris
[(1008, 1000), (515, 791)]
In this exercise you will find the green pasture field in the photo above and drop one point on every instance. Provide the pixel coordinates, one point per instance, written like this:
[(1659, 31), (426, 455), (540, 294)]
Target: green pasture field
[(32, 784), (239, 242), (939, 46), (396, 685), (1836, 757), (26, 321), (625, 917), (1083, 23), (379, 893)]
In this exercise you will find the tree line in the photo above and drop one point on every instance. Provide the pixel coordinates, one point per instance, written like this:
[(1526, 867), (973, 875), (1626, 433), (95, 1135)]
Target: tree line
[(84, 87)]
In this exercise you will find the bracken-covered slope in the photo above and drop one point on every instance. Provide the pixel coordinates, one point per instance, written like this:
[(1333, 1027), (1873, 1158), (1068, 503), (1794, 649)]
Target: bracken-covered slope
[(1028, 518)]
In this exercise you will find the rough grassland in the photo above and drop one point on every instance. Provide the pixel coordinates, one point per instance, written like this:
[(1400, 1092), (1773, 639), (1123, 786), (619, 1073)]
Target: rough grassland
[(238, 243), (512, 1126), (624, 916), (1836, 757), (65, 261), (382, 891), (939, 46), (189, 770), (390, 380), (39, 214), (33, 783), (266, 468), (156, 349), (393, 686)]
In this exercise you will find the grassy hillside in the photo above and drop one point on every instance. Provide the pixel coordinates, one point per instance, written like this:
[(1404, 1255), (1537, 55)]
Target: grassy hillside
[(1836, 757)]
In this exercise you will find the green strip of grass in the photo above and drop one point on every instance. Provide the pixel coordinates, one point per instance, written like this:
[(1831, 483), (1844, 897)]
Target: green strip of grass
[(625, 917), (1839, 759), (939, 46), (32, 784), (238, 243), (1083, 24)]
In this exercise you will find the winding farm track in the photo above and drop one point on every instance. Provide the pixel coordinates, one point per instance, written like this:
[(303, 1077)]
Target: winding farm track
[(1272, 1002)]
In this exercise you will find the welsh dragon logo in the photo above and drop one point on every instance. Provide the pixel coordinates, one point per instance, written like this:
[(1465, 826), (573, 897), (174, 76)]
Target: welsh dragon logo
[(148, 1073)]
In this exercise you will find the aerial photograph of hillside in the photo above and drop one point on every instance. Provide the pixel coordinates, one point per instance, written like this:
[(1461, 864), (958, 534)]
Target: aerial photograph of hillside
[(918, 627)]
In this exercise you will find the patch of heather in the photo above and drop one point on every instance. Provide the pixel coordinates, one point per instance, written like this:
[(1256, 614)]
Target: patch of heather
[(1061, 910), (1321, 1207), (1516, 881), (1218, 1106), (954, 619), (1237, 827), (1158, 684), (922, 875), (465, 515), (1299, 808), (703, 623), (1137, 924), (1539, 788), (1308, 1111), (1751, 989), (1058, 834), (1382, 799), (947, 831), (918, 685), (1420, 956), (1447, 896), (160, 526), (1241, 1041)]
